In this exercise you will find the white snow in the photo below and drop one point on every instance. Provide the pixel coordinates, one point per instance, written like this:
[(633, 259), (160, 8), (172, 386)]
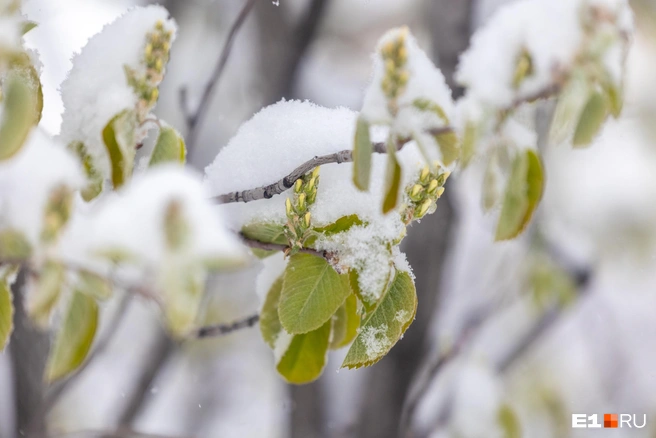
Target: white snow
[(133, 219), (27, 180), (375, 340), (96, 88)]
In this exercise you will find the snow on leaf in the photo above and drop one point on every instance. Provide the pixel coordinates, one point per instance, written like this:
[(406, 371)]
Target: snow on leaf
[(170, 147), (75, 337), (119, 139), (382, 329), (312, 291)]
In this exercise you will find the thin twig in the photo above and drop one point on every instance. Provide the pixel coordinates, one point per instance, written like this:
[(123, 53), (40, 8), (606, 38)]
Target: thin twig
[(224, 329), (285, 183), (193, 118), (266, 246)]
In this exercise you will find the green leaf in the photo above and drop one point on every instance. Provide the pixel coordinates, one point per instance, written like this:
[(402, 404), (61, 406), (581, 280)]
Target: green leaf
[(430, 106), (57, 212), (14, 245), (386, 324), (44, 293), (469, 139), (170, 147), (571, 101), (270, 326), (182, 288), (523, 193), (18, 115), (176, 228), (342, 224), (448, 143), (509, 422), (94, 285), (266, 232), (6, 312), (523, 68), (346, 322), (614, 96), (23, 68), (94, 184), (362, 151), (592, 117), (312, 291), (392, 180), (355, 287), (75, 337), (305, 357), (28, 26), (118, 136)]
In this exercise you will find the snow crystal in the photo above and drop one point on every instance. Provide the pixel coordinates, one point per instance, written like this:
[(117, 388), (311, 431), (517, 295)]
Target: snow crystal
[(550, 31), (425, 81), (375, 340), (133, 219), (96, 88), (27, 179)]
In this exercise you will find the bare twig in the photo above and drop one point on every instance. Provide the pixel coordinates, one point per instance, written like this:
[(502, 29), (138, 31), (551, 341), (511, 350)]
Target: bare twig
[(285, 183), (224, 329), (193, 118)]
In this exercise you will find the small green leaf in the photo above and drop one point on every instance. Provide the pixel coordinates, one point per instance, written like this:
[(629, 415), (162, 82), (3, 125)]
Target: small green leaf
[(94, 285), (345, 323), (170, 147), (118, 136), (509, 422), (305, 357), (28, 26), (392, 180), (270, 326), (430, 106), (386, 324), (362, 151), (523, 68), (75, 337), (469, 139), (182, 288), (266, 232), (593, 116), (312, 291), (615, 98), (94, 178), (6, 312), (57, 212), (448, 143), (23, 68), (14, 245), (342, 224), (523, 193), (44, 293), (18, 115)]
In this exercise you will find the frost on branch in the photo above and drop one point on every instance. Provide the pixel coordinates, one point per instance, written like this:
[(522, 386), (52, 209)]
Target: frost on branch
[(322, 212), (533, 49), (163, 226), (111, 90)]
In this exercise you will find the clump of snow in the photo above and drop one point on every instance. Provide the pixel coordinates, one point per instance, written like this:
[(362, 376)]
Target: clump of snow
[(425, 81), (97, 89), (28, 179), (283, 136), (375, 340), (551, 32), (133, 220)]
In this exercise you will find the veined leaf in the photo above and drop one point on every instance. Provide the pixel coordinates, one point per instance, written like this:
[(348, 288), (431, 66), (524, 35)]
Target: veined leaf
[(362, 151), (345, 323), (509, 422), (75, 337), (312, 291), (392, 180), (170, 147), (44, 292), (18, 117), (118, 136), (386, 323), (305, 357), (270, 326), (523, 193), (14, 245), (592, 117), (265, 232)]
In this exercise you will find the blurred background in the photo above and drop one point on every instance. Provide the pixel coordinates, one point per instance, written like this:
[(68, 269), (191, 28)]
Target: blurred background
[(480, 342)]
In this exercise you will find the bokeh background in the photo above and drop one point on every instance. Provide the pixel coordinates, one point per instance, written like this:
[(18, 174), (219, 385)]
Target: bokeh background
[(479, 341)]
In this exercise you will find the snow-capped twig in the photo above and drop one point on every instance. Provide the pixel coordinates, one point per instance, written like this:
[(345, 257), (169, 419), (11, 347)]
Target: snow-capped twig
[(285, 183), (224, 329), (193, 118)]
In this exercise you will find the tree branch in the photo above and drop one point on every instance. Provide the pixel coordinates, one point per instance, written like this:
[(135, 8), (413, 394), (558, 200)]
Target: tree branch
[(224, 329), (252, 243), (193, 118), (285, 183)]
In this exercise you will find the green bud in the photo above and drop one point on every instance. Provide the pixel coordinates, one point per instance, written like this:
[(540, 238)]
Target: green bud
[(315, 172), (432, 186), (298, 185), (288, 208), (307, 219), (301, 201), (423, 176), (440, 191), (423, 208)]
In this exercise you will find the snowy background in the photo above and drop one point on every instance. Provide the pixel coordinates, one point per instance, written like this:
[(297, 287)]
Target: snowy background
[(599, 210)]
